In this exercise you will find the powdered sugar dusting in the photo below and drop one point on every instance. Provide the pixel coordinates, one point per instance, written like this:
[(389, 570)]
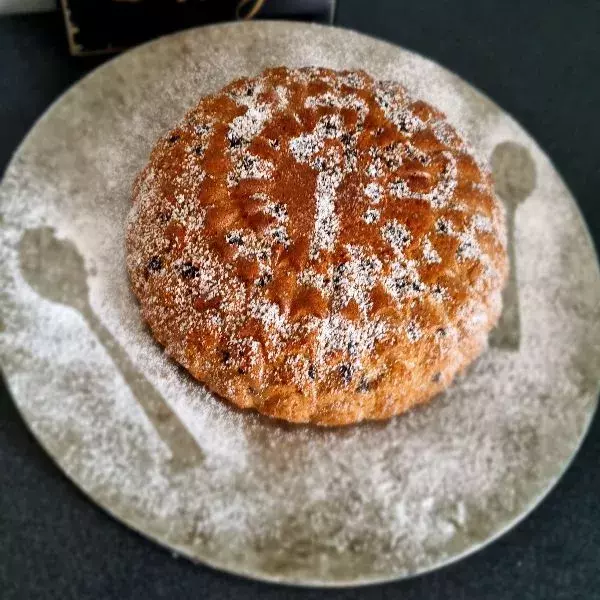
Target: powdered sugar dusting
[(374, 192), (429, 253), (397, 235), (326, 221), (371, 216)]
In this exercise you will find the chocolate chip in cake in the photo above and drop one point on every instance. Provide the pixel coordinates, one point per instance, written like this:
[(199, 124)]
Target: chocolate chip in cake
[(330, 128), (234, 238), (202, 129), (338, 274), (442, 226), (352, 347), (364, 385), (264, 279), (189, 271), (346, 373), (346, 139), (234, 141), (280, 236), (279, 211), (154, 264)]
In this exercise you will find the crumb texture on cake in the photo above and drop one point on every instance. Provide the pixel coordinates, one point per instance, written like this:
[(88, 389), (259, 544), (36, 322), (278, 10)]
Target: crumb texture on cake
[(317, 245)]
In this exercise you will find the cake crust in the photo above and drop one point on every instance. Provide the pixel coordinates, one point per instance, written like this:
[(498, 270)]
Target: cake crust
[(318, 246)]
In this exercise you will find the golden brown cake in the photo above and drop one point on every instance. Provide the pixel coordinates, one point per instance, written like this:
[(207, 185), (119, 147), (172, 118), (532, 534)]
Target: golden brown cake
[(318, 246)]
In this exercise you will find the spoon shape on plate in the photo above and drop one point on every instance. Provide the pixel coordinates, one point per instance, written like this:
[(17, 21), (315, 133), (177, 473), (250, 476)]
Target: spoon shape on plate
[(55, 269)]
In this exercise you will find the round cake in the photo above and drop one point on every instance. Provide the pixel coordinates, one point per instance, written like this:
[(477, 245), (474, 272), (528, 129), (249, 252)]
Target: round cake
[(318, 246)]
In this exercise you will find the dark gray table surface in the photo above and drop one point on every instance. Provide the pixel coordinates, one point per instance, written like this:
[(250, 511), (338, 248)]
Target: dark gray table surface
[(540, 61)]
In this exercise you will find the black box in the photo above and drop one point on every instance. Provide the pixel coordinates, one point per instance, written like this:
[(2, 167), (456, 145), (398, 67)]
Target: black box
[(101, 26)]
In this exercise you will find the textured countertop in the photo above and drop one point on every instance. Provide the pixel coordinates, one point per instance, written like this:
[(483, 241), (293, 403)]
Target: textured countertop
[(540, 62)]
